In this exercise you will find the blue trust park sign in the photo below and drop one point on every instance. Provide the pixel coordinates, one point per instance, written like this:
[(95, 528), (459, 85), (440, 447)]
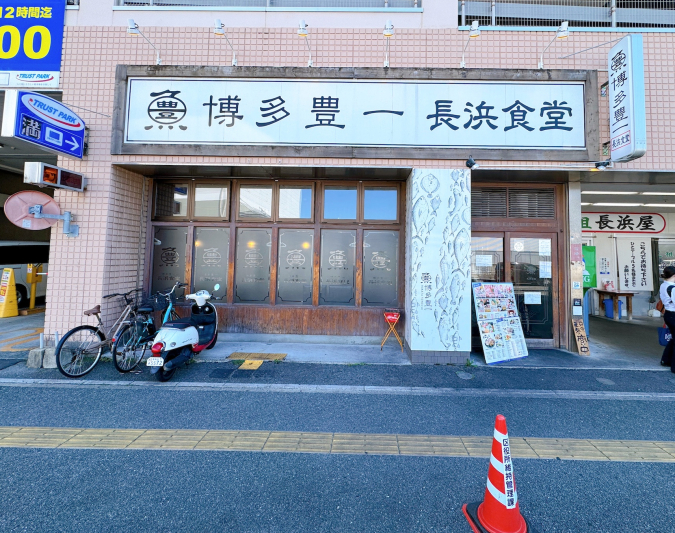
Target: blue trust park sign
[(43, 121), (31, 42)]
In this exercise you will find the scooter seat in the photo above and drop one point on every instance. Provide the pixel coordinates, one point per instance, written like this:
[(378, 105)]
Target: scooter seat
[(178, 324)]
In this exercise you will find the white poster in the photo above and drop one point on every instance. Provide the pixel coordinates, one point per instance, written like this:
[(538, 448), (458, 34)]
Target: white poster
[(343, 112), (544, 269), (532, 298), (545, 247), (438, 261), (501, 332), (604, 266), (635, 264), (483, 260)]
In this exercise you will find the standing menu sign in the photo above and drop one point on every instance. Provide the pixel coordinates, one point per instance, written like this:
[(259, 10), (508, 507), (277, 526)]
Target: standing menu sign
[(501, 332)]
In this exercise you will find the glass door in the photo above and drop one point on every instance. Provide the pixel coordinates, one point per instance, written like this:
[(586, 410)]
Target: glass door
[(533, 272), (532, 268)]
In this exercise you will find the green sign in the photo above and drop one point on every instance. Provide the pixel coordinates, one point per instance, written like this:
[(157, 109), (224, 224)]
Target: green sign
[(590, 276)]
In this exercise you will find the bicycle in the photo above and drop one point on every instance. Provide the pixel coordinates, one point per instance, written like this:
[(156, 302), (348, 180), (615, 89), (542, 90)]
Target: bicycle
[(79, 350), (130, 345)]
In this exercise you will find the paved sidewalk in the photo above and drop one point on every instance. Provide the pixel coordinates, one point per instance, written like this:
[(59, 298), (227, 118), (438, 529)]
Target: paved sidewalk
[(21, 333)]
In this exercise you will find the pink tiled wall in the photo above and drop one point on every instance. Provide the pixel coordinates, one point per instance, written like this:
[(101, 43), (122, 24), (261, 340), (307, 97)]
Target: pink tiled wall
[(106, 257)]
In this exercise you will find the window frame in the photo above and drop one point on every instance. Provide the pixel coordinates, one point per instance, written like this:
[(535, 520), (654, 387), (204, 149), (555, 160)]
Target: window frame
[(223, 184), (251, 184), (293, 184), (190, 195), (380, 185)]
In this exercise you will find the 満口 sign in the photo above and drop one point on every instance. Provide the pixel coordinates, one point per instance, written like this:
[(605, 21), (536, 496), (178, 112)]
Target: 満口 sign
[(376, 114), (622, 223)]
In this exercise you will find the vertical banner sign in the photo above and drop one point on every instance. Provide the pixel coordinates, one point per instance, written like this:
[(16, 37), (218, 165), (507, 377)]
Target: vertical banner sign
[(635, 264), (8, 303), (590, 271), (627, 117), (501, 332), (31, 39), (580, 336)]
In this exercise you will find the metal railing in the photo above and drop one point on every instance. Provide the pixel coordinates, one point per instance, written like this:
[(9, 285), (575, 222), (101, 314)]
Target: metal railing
[(309, 4), (579, 13)]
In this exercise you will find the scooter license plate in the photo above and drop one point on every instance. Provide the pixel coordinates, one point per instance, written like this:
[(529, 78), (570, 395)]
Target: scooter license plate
[(155, 361)]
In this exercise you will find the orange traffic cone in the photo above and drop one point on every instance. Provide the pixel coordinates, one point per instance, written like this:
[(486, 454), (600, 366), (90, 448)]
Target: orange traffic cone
[(499, 512)]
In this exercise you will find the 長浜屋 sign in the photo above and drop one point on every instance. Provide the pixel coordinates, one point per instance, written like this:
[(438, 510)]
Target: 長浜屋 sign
[(604, 222), (31, 40), (252, 116), (43, 121)]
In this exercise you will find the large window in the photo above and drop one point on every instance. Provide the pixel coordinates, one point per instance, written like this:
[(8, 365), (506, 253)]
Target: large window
[(280, 242)]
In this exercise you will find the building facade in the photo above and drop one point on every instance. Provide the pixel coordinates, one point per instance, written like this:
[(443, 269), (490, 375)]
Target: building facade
[(310, 233)]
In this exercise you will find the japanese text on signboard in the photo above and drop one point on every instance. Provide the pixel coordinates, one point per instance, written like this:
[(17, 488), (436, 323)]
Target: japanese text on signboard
[(502, 115), (622, 223)]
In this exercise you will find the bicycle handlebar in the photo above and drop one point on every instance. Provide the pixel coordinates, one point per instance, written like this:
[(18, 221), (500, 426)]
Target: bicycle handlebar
[(123, 294)]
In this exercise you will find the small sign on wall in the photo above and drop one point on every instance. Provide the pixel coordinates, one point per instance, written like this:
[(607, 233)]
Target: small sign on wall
[(635, 264)]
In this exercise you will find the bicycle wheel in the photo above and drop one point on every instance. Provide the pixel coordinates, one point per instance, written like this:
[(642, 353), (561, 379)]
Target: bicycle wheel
[(127, 351), (79, 350)]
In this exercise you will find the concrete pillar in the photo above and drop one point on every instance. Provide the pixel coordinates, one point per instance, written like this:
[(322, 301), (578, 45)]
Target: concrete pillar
[(576, 265), (438, 266)]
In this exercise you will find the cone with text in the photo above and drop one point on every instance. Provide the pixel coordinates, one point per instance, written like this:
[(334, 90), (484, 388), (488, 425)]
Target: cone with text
[(500, 511), (8, 303)]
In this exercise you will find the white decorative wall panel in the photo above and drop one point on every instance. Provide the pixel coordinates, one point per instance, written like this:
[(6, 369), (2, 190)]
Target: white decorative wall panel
[(438, 260)]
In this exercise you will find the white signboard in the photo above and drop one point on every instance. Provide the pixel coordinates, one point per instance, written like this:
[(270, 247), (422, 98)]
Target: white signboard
[(532, 298), (501, 332), (635, 264), (483, 260), (644, 223), (627, 118), (372, 113)]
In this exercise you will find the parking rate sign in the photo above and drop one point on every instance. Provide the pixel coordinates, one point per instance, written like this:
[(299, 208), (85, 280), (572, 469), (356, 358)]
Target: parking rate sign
[(43, 121), (31, 39)]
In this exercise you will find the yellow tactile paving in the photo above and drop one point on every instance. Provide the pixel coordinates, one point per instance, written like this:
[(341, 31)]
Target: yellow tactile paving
[(336, 443), (251, 364)]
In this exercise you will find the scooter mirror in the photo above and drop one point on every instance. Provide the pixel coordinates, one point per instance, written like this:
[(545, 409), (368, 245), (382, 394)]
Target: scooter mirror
[(216, 287)]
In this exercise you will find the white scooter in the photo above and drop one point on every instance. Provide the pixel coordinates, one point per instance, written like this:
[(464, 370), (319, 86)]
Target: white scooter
[(178, 341)]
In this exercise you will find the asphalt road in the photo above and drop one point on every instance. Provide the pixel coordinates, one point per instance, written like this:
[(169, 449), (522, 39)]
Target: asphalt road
[(86, 490), (153, 490)]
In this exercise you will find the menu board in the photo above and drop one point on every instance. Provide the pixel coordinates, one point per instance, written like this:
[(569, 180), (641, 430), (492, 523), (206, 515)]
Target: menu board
[(501, 332)]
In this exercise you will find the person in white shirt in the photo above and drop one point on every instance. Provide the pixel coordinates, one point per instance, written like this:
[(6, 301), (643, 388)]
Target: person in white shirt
[(667, 297)]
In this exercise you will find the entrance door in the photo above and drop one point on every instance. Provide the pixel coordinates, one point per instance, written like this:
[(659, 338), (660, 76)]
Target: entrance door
[(531, 265)]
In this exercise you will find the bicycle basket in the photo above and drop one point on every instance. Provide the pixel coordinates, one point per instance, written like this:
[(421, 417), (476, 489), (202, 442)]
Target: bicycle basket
[(158, 302)]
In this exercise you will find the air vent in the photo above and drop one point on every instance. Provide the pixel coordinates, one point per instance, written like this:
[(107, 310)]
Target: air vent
[(488, 202), (531, 203)]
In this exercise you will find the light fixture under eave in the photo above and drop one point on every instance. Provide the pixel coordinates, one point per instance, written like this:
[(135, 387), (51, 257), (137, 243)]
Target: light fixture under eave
[(474, 32), (658, 193), (609, 192), (219, 31), (616, 204), (586, 203), (602, 165), (659, 205), (388, 34), (562, 32), (471, 163), (303, 33), (134, 30)]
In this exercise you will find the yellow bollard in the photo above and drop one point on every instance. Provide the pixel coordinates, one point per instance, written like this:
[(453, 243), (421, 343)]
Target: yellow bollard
[(32, 277), (8, 304)]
